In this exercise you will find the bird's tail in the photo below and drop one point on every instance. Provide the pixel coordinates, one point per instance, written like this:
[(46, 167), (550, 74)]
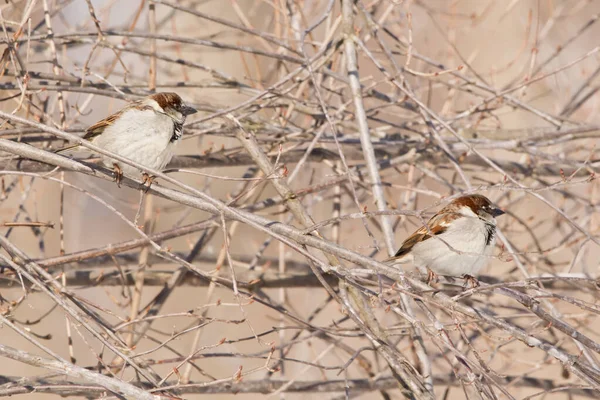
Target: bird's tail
[(403, 259), (72, 146)]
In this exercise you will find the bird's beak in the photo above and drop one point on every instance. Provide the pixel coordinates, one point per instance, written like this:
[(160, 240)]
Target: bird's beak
[(497, 212), (187, 110)]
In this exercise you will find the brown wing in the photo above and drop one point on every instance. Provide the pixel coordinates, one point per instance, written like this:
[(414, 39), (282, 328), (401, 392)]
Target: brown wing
[(95, 130), (99, 126), (438, 224)]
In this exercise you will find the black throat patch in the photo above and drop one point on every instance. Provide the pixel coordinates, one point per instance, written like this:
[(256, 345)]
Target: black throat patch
[(490, 231), (177, 131)]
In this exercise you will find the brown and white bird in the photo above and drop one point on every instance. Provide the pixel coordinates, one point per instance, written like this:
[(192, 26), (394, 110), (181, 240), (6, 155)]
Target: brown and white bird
[(457, 241), (145, 131)]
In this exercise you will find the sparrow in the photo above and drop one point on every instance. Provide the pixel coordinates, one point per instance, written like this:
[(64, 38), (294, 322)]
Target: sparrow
[(457, 241), (145, 131)]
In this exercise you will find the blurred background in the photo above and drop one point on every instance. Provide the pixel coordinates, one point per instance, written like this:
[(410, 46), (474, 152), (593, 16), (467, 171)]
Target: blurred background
[(481, 96)]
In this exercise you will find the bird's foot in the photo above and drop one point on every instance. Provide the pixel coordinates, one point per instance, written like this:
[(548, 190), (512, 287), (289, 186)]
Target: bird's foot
[(147, 180), (431, 277), (470, 281), (118, 174)]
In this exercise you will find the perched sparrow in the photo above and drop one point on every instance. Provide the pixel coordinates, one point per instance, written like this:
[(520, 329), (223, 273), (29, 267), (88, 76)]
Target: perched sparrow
[(145, 131), (457, 241)]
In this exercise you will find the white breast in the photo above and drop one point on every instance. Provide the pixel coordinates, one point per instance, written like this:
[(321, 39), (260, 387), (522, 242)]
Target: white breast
[(140, 135), (466, 254)]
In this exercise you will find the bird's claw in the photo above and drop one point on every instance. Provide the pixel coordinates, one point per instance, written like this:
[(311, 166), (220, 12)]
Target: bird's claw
[(470, 280), (118, 174), (431, 277), (147, 180)]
